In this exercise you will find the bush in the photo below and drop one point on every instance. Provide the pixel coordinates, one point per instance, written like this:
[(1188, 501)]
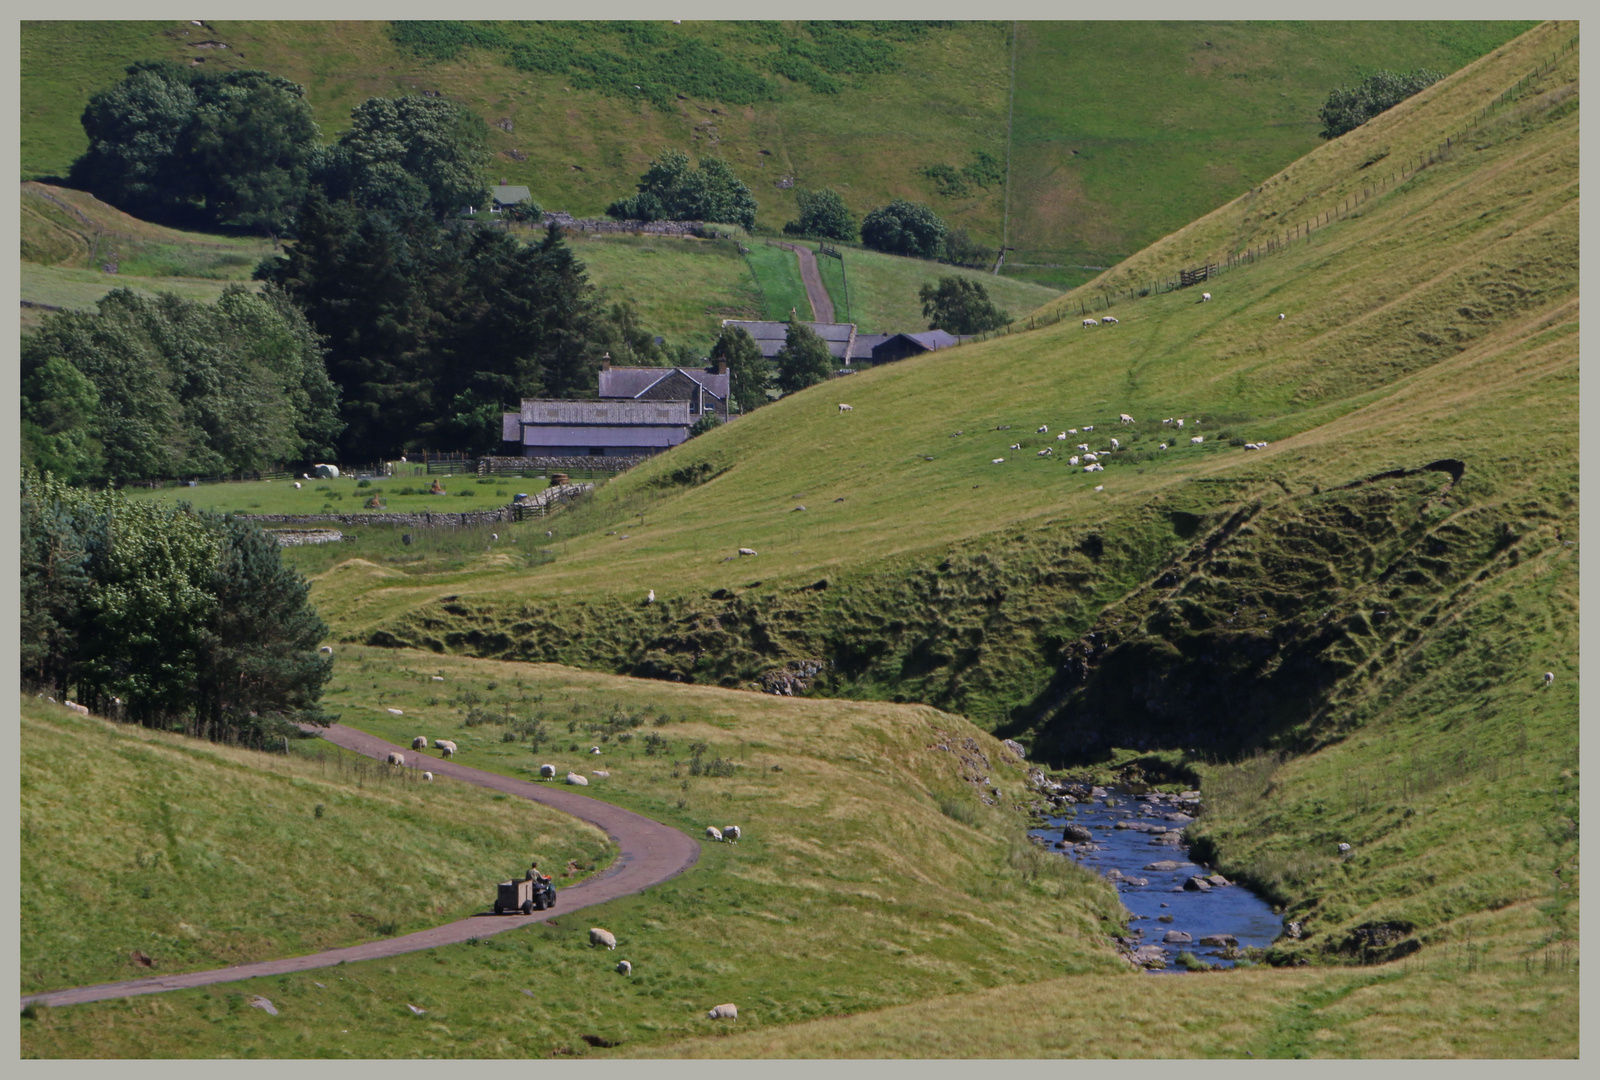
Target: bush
[(1346, 110), (962, 250), (960, 305), (905, 228), (671, 190), (706, 422), (823, 213)]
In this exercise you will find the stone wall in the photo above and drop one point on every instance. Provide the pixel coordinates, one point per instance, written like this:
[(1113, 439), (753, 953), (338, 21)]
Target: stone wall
[(559, 464), (420, 520), (606, 225)]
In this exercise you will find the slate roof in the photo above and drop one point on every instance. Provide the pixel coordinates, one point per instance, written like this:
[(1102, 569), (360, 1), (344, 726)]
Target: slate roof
[(770, 336), (510, 194), (605, 413), (630, 382), (865, 343), (934, 339)]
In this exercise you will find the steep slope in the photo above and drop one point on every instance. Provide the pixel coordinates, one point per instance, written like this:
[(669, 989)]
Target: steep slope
[(1372, 578)]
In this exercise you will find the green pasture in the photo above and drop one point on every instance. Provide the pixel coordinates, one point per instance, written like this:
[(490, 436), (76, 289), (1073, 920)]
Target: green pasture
[(194, 855), (884, 289), (683, 288), (776, 272), (349, 495)]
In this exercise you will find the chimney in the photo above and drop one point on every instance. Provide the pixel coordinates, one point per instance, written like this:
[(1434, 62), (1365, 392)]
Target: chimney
[(605, 362), (722, 367)]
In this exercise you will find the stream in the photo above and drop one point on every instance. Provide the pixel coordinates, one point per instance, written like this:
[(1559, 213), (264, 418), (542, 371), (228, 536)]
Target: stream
[(1137, 842)]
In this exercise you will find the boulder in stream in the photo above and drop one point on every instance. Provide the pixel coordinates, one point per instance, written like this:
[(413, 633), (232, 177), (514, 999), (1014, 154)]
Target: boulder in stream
[(1177, 937)]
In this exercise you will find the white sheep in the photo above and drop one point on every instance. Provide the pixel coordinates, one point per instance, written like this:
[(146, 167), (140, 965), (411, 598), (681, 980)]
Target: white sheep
[(445, 747), (594, 749), (1044, 429), (729, 1011), (428, 776), (1046, 452), (1072, 430), (1073, 460), (1099, 487), (577, 780), (1168, 420), (1015, 446), (997, 461), (650, 597), (81, 710), (1549, 678), (1091, 457), (1204, 297), (1250, 446), (1115, 445), (1179, 421), (730, 833), (713, 833), (598, 936), (1282, 316), (419, 743), (1061, 436), (395, 712), (843, 407), (1125, 418), (1344, 849), (1088, 427), (747, 551), (624, 968), (1091, 322), (1112, 319), (1163, 446), (396, 759), (1091, 468), (1197, 440), (1083, 446), (546, 771), (326, 650), (297, 485), (436, 678)]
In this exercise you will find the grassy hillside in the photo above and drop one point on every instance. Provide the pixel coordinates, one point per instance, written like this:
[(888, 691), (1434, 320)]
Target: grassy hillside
[(1104, 160), (1419, 331), (194, 855), (876, 868)]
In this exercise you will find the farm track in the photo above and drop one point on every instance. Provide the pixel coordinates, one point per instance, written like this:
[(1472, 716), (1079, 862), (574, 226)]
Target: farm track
[(648, 854), (821, 302)]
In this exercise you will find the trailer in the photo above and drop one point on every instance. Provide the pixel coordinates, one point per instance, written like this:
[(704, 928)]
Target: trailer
[(525, 897)]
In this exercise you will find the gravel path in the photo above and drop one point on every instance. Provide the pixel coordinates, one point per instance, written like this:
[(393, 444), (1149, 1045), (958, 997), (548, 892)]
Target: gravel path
[(821, 302), (648, 854)]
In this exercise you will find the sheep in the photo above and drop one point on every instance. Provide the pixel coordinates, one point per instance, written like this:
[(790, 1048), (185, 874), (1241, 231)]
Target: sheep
[(1072, 431), (1179, 421), (1112, 319), (1088, 427), (594, 749), (437, 678), (326, 650), (81, 710), (624, 968), (1090, 322), (1204, 297), (997, 461), (1091, 457), (1084, 447), (1044, 429), (1197, 440), (1099, 487), (1250, 446), (650, 597), (1073, 460), (546, 772), (601, 774), (297, 485), (598, 936), (445, 747), (395, 712), (1061, 436), (713, 833), (428, 776), (1168, 420), (1282, 316), (1125, 418), (747, 551), (577, 779), (1092, 468), (843, 407), (1549, 678), (419, 743), (730, 833), (729, 1011), (1344, 849), (1046, 452), (1163, 446), (396, 759), (1015, 446), (1115, 445)]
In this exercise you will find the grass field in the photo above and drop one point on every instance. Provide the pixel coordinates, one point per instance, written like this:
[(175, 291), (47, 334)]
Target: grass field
[(197, 855), (346, 495), (1104, 160), (777, 275)]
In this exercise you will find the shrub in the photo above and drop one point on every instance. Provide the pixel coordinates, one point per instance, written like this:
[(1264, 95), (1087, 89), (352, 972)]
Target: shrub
[(962, 250), (706, 422), (823, 213), (671, 190), (1348, 109), (960, 305), (905, 228)]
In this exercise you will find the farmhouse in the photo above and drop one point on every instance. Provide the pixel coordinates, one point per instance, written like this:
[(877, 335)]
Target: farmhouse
[(640, 411), (506, 196), (770, 337)]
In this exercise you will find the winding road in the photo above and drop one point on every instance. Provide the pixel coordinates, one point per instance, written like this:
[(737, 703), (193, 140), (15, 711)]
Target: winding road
[(821, 302), (648, 854)]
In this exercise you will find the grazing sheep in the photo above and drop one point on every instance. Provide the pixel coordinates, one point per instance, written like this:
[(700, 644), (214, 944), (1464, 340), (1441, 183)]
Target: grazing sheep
[(428, 776), (419, 743), (1112, 319), (395, 712), (1091, 322), (601, 774), (624, 968), (326, 650), (1099, 487), (1344, 849), (546, 771), (1168, 420), (1091, 457), (730, 833), (594, 749), (997, 461), (81, 710), (843, 407), (1204, 297), (729, 1011), (1083, 446), (1549, 678), (598, 936), (1197, 440), (650, 597), (1163, 446), (1061, 437), (445, 747), (577, 780), (1282, 316), (1125, 418), (1092, 468), (437, 678), (747, 551), (1088, 427), (1072, 431), (713, 833), (1115, 445), (1073, 460), (396, 759), (297, 485), (1179, 421), (1015, 446), (1043, 429), (1046, 452)]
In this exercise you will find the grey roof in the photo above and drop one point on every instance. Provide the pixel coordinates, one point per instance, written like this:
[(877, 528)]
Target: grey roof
[(510, 427), (565, 435), (865, 343), (510, 194), (606, 413), (770, 336), (630, 382), (934, 339)]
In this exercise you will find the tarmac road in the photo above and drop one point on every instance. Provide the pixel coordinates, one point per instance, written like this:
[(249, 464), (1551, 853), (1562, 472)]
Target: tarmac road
[(648, 854)]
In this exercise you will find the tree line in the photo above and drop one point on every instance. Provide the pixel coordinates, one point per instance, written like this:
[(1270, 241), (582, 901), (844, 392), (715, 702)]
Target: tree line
[(177, 615)]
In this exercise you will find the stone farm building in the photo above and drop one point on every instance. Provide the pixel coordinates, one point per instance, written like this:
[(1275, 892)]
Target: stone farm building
[(640, 411), (850, 348)]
